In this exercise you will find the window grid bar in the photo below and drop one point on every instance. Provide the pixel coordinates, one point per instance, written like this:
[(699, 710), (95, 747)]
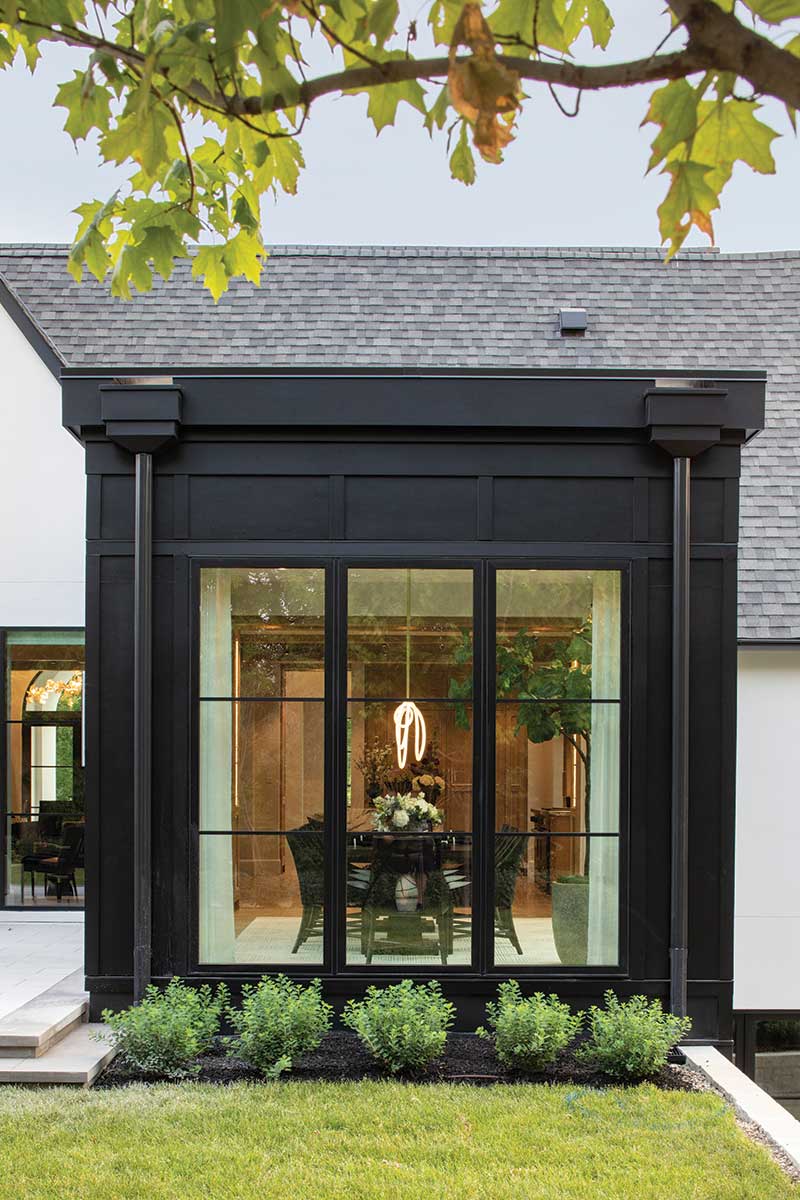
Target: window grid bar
[(262, 699)]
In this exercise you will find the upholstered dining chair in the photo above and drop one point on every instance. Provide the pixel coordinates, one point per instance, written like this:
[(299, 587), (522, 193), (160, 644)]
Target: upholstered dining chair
[(508, 852), (307, 845), (58, 868)]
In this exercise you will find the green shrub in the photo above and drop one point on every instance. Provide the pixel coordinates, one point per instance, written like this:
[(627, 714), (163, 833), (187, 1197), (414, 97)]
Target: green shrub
[(404, 1026), (166, 1031), (631, 1040), (278, 1020), (529, 1034)]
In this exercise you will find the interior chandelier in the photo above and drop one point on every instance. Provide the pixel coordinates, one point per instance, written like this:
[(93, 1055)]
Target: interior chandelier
[(407, 717)]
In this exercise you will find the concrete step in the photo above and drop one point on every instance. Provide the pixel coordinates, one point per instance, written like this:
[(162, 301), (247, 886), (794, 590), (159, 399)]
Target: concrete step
[(76, 1059), (38, 1025)]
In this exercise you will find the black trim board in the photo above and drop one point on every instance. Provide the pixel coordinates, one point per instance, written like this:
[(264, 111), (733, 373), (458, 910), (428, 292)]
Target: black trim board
[(31, 331)]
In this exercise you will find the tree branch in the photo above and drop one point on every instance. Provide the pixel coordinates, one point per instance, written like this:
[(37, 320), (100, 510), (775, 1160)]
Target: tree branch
[(724, 43), (718, 41), (566, 74), (613, 75)]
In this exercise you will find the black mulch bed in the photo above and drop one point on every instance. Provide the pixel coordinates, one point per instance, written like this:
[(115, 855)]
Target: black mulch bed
[(467, 1059)]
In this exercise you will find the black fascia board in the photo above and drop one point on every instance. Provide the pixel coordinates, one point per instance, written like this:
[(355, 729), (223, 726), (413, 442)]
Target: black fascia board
[(30, 330), (768, 643), (384, 399)]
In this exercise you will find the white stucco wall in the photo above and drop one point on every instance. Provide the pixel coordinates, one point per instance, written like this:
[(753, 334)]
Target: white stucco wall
[(42, 493), (767, 920)]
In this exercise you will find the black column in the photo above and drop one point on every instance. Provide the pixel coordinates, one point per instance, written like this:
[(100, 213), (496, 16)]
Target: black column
[(684, 422), (681, 562), (142, 419), (142, 724)]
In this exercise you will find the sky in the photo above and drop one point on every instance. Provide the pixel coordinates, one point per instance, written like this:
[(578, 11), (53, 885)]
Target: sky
[(563, 183)]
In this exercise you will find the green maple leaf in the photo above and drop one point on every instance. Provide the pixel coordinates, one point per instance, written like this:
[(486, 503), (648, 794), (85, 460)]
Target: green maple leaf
[(209, 261), (89, 247), (162, 245), (242, 256), (383, 102), (674, 108), (593, 15), (774, 11), (437, 113), (532, 21), (131, 267), (88, 105), (382, 19), (7, 51), (689, 201), (442, 19), (462, 162), (731, 132)]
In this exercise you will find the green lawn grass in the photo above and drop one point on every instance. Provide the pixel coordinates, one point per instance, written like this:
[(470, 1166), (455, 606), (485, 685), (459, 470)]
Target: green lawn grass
[(377, 1141)]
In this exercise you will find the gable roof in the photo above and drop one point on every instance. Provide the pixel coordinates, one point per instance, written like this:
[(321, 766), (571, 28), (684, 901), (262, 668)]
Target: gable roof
[(418, 307)]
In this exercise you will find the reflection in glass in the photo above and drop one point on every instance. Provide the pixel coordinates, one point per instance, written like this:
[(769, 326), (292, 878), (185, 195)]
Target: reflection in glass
[(543, 767), (557, 767), (777, 1060), (558, 634), (409, 874), (409, 632), (277, 764), (261, 765), (443, 776), (409, 898), (556, 900), (264, 897), (275, 619), (44, 792)]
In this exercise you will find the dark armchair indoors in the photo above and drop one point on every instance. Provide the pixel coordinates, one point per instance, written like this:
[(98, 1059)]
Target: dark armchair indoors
[(57, 867)]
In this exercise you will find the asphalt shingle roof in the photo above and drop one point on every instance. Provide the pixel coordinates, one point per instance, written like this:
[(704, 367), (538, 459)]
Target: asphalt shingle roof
[(425, 307)]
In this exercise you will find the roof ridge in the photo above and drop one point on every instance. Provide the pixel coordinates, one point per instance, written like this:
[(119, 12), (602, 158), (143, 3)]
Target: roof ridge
[(299, 250)]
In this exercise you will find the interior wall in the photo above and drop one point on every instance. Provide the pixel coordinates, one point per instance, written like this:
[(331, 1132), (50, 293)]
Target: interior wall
[(42, 494), (767, 904)]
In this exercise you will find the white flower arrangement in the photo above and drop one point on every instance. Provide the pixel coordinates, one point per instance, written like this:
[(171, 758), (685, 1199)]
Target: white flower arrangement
[(409, 812)]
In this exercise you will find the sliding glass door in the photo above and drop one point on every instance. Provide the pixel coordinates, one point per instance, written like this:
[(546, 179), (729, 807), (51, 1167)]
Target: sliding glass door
[(438, 746)]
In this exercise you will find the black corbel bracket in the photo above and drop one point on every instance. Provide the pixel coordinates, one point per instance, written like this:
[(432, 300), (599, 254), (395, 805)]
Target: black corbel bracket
[(140, 419), (685, 421)]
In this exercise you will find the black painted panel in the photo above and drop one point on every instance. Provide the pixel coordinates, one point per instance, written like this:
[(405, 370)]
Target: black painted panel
[(117, 500), (413, 507), (114, 888), (710, 811), (652, 807), (557, 509), (708, 510), (259, 506)]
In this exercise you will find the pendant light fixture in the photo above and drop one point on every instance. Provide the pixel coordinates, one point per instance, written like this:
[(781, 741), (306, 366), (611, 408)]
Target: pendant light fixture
[(407, 717)]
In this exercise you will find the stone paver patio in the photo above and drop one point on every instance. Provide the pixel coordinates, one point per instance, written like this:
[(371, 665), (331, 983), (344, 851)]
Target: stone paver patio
[(37, 950)]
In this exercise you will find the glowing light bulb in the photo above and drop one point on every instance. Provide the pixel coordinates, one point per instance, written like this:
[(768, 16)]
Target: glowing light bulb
[(406, 717)]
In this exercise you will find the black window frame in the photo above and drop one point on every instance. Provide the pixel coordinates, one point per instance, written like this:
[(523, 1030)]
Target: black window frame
[(484, 566), (5, 722)]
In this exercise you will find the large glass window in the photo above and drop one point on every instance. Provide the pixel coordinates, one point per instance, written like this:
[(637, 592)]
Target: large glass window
[(416, 780), (261, 771), (44, 791), (410, 766), (557, 756)]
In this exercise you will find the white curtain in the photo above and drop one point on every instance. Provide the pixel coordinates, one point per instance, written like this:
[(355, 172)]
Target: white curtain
[(217, 937), (604, 772)]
